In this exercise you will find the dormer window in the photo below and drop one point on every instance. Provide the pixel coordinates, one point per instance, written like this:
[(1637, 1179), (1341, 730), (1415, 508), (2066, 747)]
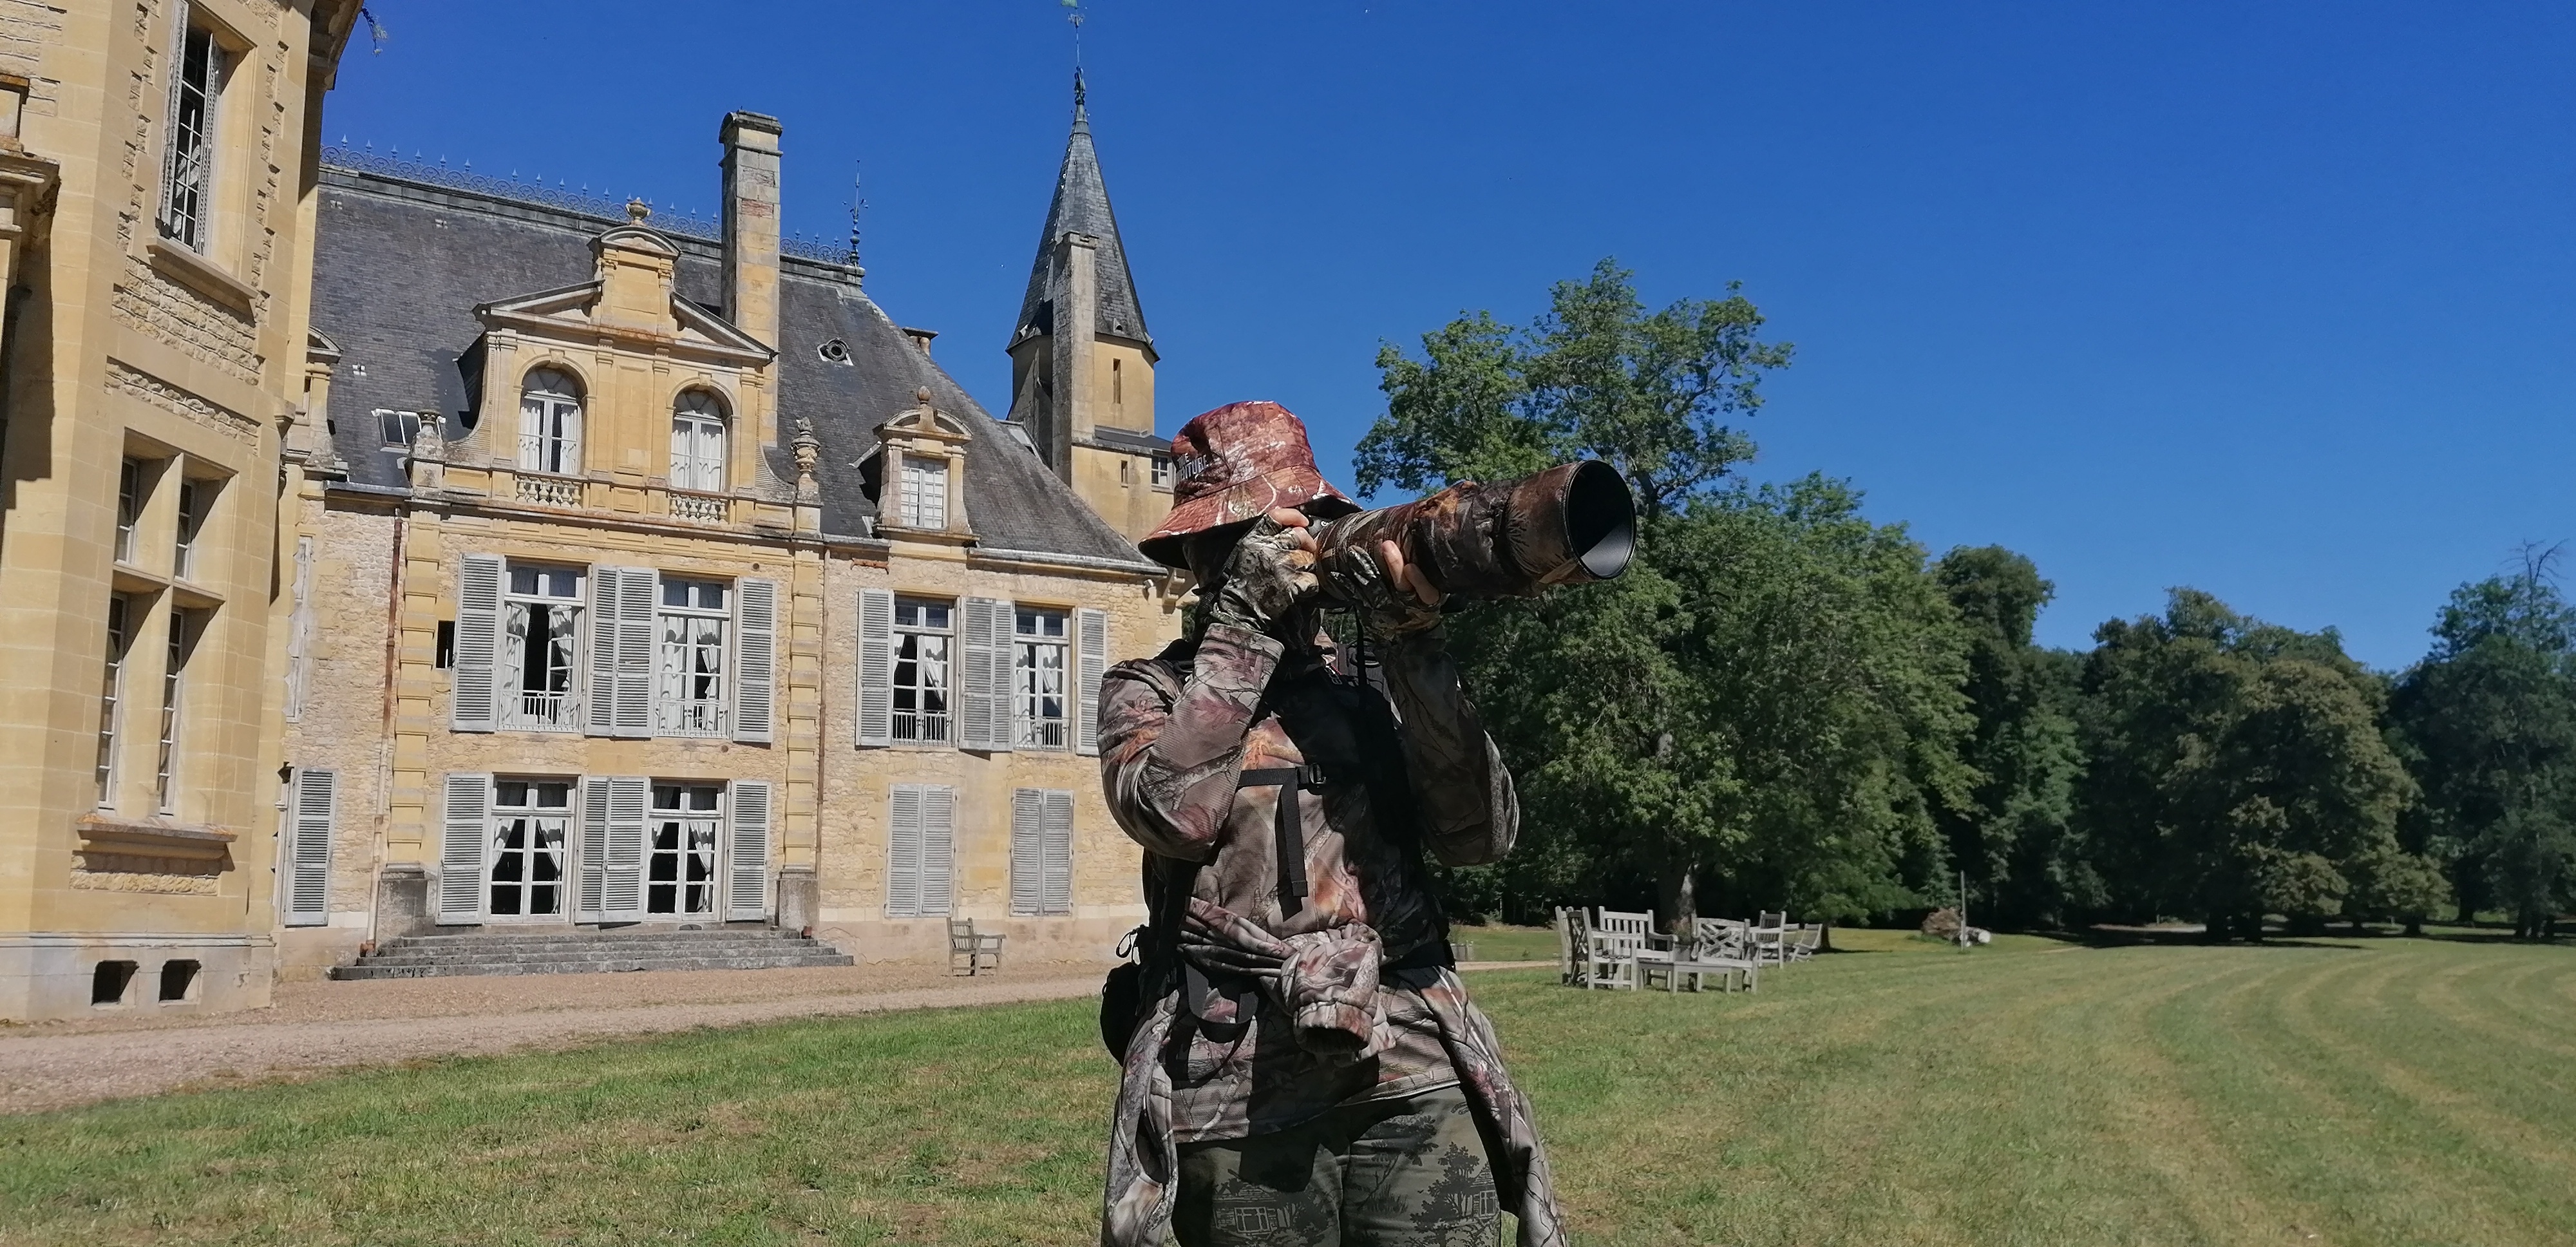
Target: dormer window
[(923, 502), (550, 423), (698, 443)]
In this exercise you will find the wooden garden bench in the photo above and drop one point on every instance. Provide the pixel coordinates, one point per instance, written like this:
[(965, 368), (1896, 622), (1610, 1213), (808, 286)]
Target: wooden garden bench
[(965, 944)]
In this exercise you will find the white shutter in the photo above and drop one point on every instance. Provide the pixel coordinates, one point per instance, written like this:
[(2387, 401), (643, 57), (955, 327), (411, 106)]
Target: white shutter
[(466, 824), (903, 852), (1056, 894), (592, 853), (636, 669), (976, 693), (1091, 646), (876, 667), (747, 866), (1028, 850), (1005, 702), (471, 704), (308, 848), (621, 887), (600, 716), (755, 661), (938, 849)]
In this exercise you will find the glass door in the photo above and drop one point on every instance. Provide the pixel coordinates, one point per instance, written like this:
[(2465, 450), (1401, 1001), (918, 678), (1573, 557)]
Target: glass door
[(680, 861), (528, 821)]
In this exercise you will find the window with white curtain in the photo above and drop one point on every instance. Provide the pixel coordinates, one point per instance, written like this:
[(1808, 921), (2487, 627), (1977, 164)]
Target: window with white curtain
[(1037, 677), (698, 442), (540, 643), (924, 500), (691, 696), (188, 150), (550, 423)]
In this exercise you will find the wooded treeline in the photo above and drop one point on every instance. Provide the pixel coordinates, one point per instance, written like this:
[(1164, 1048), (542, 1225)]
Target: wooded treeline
[(1785, 705)]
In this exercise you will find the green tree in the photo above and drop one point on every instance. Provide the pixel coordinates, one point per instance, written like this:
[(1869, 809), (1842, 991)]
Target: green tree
[(2490, 720), (2236, 768), (1767, 701), (2016, 838)]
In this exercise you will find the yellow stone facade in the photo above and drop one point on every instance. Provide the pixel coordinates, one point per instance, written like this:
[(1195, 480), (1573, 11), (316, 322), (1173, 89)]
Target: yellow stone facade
[(156, 226), (856, 476)]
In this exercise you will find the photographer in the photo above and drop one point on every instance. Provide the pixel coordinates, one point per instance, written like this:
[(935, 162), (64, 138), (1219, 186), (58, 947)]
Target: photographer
[(1305, 1066)]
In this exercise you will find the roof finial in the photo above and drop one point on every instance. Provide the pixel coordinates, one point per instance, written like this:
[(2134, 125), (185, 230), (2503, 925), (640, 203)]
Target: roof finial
[(857, 204), (1078, 94)]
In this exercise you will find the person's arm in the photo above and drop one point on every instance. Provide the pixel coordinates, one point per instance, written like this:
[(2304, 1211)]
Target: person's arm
[(1169, 764), (1461, 790)]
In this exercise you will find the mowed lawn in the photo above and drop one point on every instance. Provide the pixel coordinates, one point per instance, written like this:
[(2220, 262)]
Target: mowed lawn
[(2338, 1092)]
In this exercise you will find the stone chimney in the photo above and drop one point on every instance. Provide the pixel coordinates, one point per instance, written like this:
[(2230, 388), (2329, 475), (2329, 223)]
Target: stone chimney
[(751, 223)]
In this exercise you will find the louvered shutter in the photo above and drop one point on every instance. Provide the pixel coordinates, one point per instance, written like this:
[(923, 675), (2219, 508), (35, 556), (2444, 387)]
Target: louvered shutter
[(976, 694), (1057, 855), (1091, 662), (592, 853), (178, 54), (747, 864), (876, 667), (938, 849), (636, 589), (606, 586), (1005, 698), (1028, 851), (308, 848), (755, 647), (472, 694), (465, 825), (903, 852), (621, 889)]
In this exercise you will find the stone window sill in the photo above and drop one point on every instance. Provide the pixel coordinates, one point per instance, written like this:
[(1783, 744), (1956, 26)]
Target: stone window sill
[(202, 275)]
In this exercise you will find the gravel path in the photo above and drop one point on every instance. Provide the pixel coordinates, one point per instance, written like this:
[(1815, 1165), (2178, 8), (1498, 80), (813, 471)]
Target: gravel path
[(318, 1027)]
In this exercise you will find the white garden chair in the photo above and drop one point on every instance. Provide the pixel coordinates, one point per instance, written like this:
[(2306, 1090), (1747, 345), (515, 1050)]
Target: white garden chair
[(1768, 939), (1651, 950), (1802, 943), (1718, 948), (1573, 947)]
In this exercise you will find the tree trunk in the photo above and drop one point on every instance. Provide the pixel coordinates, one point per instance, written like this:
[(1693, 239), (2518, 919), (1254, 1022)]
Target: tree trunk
[(2415, 928), (1825, 937), (1680, 891)]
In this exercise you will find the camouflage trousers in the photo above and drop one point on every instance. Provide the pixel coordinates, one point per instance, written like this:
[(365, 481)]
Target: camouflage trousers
[(1407, 1172)]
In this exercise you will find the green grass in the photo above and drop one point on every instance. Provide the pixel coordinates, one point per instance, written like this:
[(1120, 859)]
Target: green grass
[(2375, 1091)]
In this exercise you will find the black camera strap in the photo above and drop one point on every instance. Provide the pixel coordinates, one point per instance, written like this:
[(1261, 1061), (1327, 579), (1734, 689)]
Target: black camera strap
[(1291, 830)]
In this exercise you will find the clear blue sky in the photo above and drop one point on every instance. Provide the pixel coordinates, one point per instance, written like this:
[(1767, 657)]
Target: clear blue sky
[(2273, 300)]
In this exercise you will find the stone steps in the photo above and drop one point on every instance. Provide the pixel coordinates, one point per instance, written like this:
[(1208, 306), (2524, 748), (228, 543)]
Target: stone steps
[(590, 952)]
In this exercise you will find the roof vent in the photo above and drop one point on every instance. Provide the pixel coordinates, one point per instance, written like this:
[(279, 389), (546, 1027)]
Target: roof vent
[(835, 351)]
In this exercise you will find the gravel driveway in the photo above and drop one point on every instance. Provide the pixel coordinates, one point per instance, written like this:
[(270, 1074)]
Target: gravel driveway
[(317, 1027)]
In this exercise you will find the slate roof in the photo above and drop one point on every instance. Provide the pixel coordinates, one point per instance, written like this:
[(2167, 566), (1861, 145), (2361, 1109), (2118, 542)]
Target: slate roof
[(1081, 206), (399, 266)]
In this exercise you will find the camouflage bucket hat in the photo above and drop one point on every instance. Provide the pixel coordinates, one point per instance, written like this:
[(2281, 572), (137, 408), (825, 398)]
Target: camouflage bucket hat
[(1234, 464)]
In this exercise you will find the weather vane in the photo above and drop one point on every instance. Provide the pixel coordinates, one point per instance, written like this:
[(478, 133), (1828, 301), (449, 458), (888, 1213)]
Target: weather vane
[(1075, 17)]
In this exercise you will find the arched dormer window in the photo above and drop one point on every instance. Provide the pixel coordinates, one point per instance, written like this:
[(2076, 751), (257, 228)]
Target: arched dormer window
[(698, 442), (550, 423)]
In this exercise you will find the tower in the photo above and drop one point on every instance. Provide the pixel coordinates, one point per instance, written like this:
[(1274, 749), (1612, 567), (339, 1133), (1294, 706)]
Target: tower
[(1082, 364)]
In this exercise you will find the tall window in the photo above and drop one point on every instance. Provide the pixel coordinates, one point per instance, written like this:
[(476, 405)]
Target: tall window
[(1037, 677), (550, 423), (193, 496), (540, 638), (924, 500), (165, 793), (698, 443), (120, 636), (691, 693), (129, 507), (921, 636), (187, 162), (528, 821), (680, 866)]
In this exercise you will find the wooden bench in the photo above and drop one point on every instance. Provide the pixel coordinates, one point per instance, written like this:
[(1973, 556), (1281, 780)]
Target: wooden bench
[(964, 944)]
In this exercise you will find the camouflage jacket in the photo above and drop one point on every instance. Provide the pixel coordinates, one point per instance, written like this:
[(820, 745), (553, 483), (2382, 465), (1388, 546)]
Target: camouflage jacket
[(1284, 1014)]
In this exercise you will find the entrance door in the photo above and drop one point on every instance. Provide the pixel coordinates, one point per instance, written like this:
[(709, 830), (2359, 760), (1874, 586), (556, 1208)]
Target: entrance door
[(680, 862), (527, 847)]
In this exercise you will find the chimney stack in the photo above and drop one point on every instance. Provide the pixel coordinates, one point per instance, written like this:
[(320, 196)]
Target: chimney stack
[(751, 223)]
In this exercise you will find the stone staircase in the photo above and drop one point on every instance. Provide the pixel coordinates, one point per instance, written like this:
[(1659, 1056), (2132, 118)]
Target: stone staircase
[(590, 952)]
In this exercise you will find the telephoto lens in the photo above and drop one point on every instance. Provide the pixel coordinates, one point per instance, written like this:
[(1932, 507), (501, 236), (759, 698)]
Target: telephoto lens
[(1572, 524)]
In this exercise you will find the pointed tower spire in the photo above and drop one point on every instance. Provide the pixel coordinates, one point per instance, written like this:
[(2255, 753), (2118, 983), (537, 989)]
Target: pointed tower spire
[(1082, 364), (1081, 206)]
